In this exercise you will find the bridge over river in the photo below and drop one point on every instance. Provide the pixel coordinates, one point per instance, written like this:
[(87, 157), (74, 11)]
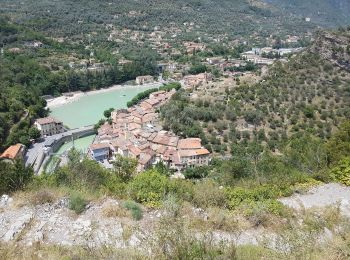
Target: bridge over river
[(39, 153)]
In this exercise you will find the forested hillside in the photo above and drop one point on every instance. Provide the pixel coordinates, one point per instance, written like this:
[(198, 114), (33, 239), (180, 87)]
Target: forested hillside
[(28, 72), (322, 12), (212, 17)]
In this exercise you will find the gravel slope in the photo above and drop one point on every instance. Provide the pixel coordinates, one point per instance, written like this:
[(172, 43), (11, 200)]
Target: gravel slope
[(329, 194)]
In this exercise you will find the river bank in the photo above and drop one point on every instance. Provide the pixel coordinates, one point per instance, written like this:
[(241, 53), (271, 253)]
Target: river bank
[(74, 96)]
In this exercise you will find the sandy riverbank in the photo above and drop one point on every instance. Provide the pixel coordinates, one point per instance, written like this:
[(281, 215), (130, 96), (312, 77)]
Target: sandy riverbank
[(62, 100)]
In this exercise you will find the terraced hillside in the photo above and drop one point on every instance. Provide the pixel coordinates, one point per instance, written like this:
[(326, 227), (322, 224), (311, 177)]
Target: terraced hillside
[(309, 93)]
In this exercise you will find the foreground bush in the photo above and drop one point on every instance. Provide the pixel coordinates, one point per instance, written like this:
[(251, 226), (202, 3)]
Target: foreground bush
[(341, 172), (77, 203), (149, 187), (42, 196), (238, 196), (174, 240), (207, 193), (134, 208), (14, 177), (87, 174)]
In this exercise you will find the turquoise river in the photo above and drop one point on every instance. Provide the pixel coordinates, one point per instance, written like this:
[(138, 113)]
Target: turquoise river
[(89, 108)]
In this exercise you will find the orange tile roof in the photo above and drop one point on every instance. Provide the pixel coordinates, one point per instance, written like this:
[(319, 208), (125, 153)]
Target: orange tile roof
[(149, 117), (202, 151), (152, 101), (12, 152), (145, 158), (47, 120), (189, 143), (188, 153), (133, 126), (134, 150)]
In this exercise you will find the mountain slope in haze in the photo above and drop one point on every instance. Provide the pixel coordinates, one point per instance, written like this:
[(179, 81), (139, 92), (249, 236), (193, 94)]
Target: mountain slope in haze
[(215, 17), (231, 17), (328, 13)]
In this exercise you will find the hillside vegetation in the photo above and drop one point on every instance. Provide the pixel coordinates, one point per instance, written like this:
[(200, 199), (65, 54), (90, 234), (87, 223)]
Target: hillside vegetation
[(325, 12), (310, 93), (212, 17)]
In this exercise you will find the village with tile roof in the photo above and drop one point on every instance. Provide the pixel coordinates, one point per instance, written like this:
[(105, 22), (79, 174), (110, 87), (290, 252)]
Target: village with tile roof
[(137, 133)]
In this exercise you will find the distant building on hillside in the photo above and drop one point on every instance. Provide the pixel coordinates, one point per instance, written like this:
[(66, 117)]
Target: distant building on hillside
[(144, 80), (34, 44), (14, 152), (192, 47), (49, 126)]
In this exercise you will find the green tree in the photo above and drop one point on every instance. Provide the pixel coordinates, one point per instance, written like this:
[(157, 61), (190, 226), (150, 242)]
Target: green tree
[(306, 153), (197, 172), (197, 69), (74, 157), (149, 187), (107, 113), (341, 171), (125, 167), (14, 176), (34, 133), (338, 146)]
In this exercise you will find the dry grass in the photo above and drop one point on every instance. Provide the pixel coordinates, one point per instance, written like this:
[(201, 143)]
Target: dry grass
[(128, 230), (115, 211), (37, 197), (43, 196), (212, 219), (44, 252)]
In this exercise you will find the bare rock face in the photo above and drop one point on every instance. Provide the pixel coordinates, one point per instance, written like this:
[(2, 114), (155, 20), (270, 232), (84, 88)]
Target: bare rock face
[(56, 224), (104, 223), (5, 201), (334, 47), (330, 194), (17, 227)]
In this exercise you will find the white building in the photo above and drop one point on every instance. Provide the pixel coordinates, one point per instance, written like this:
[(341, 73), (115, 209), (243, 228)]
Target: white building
[(49, 126), (144, 80)]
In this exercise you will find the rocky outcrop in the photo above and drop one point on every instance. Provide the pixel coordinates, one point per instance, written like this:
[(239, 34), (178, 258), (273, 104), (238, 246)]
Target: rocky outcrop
[(331, 194), (334, 47), (56, 224)]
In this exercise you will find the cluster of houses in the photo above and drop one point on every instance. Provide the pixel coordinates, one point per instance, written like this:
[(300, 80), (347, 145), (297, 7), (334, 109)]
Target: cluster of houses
[(259, 56), (136, 133), (191, 81), (47, 126)]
